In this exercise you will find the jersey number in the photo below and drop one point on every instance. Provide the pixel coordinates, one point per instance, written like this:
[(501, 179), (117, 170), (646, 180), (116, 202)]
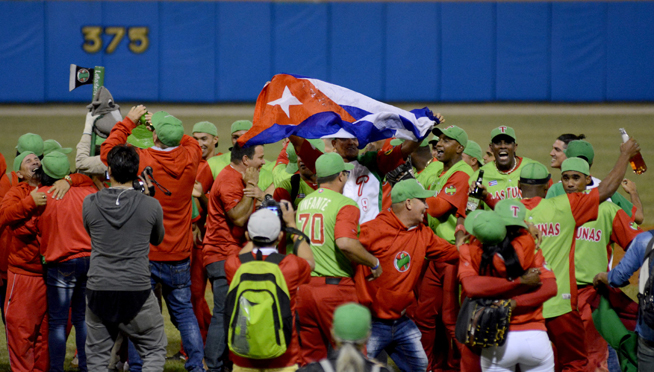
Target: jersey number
[(316, 232)]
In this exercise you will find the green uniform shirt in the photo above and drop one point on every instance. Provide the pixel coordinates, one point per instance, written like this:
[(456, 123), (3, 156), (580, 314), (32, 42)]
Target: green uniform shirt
[(500, 185), (446, 225), (617, 198), (430, 173), (303, 190), (280, 174), (316, 217), (218, 163), (554, 218), (592, 239)]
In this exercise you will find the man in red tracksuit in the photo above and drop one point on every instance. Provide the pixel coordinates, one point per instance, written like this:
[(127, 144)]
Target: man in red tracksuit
[(5, 237), (400, 240), (174, 160)]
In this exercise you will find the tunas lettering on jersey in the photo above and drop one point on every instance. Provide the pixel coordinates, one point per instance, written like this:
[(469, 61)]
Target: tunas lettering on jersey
[(589, 234), (510, 193), (315, 203), (549, 229)]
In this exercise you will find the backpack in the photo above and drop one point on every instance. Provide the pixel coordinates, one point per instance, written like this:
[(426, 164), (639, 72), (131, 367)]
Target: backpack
[(259, 308), (646, 295)]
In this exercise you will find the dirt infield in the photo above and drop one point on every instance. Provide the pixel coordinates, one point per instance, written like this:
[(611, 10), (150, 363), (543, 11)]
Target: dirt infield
[(68, 109)]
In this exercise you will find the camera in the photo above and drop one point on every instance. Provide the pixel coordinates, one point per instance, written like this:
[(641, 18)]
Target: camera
[(272, 205), (139, 183)]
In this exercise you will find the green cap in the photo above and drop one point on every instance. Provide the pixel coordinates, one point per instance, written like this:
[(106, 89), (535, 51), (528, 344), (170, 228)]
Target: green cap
[(580, 149), (169, 129), (575, 164), (52, 145), (398, 141), (503, 130), (454, 133), (205, 127), (409, 189), (351, 322), (239, 125), (331, 163), (486, 226), (513, 212), (30, 142), (141, 137), (19, 159), (56, 165), (474, 151), (534, 174)]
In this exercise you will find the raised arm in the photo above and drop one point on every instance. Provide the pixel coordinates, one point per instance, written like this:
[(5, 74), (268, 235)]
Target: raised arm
[(610, 183)]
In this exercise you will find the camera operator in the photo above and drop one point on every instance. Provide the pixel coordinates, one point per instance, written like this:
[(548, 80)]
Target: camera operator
[(122, 223), (174, 159)]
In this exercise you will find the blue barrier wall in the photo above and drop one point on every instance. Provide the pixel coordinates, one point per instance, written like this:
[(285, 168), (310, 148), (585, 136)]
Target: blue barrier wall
[(226, 51)]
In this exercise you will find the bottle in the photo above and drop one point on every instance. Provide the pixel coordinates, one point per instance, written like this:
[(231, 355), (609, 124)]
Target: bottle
[(475, 196), (636, 161)]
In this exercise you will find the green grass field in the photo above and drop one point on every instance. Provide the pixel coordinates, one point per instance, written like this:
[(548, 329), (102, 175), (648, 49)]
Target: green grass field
[(536, 132)]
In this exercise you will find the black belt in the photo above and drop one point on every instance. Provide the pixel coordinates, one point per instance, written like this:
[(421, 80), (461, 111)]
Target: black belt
[(333, 281)]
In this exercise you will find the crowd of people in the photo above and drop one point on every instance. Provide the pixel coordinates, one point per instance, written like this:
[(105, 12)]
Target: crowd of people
[(330, 258)]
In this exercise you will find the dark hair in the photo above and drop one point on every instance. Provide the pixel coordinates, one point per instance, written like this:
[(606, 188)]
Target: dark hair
[(505, 249), (124, 163), (569, 137), (327, 179), (238, 152), (43, 178)]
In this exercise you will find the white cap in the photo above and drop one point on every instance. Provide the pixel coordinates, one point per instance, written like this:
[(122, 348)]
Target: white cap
[(264, 226)]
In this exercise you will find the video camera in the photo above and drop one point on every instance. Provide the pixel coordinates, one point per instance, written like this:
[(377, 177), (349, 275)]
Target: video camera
[(140, 183)]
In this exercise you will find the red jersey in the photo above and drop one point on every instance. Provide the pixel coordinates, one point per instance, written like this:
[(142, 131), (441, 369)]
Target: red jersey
[(223, 238), (204, 176), (401, 252), (296, 272), (174, 168), (5, 235), (16, 212), (61, 227), (528, 314)]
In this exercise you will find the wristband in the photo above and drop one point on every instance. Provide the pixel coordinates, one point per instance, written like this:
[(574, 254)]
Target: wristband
[(376, 266)]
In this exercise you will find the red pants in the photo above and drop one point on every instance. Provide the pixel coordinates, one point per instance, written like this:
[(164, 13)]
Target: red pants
[(435, 315), (198, 288), (26, 311), (596, 348), (315, 307), (567, 335)]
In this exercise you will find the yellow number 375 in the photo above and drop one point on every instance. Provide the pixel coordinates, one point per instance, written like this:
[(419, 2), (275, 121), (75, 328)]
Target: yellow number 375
[(138, 38)]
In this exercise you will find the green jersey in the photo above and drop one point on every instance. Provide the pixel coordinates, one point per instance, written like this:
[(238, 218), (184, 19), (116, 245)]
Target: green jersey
[(316, 217), (502, 185), (557, 219), (218, 163), (430, 173), (455, 191), (616, 198), (280, 174), (303, 189), (593, 238)]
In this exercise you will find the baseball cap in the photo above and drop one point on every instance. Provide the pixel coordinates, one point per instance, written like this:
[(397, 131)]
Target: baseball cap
[(512, 212), (169, 129), (486, 226), (534, 174), (19, 159), (141, 137), (503, 130), (30, 142), (575, 164), (205, 127), (239, 125), (454, 133), (351, 322), (55, 165), (264, 226), (474, 150), (425, 142), (409, 189), (580, 149), (52, 145), (330, 164)]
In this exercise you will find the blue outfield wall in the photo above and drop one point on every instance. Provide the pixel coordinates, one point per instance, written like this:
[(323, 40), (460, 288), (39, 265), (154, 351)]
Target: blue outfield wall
[(392, 51)]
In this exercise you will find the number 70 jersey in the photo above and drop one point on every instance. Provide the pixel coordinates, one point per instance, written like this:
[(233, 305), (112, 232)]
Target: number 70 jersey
[(316, 216)]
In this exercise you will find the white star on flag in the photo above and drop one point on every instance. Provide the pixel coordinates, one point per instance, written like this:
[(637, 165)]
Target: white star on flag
[(285, 101)]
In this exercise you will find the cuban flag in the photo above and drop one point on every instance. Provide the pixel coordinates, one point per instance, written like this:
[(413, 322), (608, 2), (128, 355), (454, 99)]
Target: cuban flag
[(311, 108)]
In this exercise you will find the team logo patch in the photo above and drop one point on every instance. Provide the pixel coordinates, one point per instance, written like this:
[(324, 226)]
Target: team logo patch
[(633, 226), (492, 183), (388, 152), (450, 190), (83, 75), (321, 190), (301, 196), (402, 261)]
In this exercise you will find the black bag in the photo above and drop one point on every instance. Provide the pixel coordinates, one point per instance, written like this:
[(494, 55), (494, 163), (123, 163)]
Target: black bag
[(483, 322), (646, 299)]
